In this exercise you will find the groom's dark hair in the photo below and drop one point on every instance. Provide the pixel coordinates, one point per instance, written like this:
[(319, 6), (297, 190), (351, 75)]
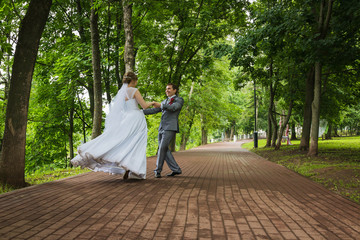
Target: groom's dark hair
[(174, 86)]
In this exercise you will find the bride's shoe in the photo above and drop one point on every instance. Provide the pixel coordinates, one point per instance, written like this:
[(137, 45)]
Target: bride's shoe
[(126, 175)]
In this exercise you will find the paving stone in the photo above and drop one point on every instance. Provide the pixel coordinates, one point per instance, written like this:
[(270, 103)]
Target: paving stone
[(224, 192)]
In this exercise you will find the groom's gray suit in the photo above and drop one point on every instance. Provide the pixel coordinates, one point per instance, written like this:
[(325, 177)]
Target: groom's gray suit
[(169, 126)]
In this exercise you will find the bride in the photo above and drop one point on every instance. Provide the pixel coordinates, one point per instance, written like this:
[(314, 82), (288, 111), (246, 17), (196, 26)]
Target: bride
[(121, 148)]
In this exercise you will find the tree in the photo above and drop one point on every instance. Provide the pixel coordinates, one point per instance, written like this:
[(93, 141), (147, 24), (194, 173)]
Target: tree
[(64, 78), (309, 97), (177, 36), (12, 161), (96, 58), (323, 21), (129, 54), (304, 34), (264, 51)]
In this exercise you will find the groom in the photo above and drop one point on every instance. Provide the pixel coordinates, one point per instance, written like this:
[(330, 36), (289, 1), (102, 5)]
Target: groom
[(169, 126)]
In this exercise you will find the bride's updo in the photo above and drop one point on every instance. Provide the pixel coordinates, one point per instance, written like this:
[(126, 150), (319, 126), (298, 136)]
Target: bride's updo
[(128, 77)]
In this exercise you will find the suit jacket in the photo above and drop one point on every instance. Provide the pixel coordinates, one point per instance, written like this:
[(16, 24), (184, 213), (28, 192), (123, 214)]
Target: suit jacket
[(170, 113)]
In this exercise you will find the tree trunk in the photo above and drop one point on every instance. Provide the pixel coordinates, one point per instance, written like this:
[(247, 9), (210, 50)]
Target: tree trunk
[(328, 133), (172, 144), (183, 142), (204, 130), (226, 135), (8, 73), (293, 132), (204, 138), (314, 137), (323, 26), (231, 133), (71, 130), (268, 132), (186, 133), (272, 131), (129, 56), (309, 97), (275, 127), (283, 126), (12, 161), (108, 50), (274, 134), (107, 86), (271, 120), (336, 132), (184, 139), (189, 119), (82, 117), (80, 20), (84, 39), (118, 75), (95, 43), (269, 128)]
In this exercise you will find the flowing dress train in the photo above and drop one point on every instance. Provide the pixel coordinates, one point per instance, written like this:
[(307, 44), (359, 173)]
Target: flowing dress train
[(122, 145)]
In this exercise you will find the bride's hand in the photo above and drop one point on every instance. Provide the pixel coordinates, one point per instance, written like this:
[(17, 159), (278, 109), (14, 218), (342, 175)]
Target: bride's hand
[(156, 104)]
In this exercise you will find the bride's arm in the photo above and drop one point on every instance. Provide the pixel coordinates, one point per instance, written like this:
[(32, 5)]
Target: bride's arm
[(141, 100)]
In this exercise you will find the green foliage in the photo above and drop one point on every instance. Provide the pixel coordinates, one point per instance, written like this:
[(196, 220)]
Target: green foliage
[(153, 122), (211, 104), (176, 42), (351, 119), (281, 44), (55, 90), (10, 14)]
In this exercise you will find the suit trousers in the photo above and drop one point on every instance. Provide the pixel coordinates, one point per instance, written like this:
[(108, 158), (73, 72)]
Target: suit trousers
[(164, 153)]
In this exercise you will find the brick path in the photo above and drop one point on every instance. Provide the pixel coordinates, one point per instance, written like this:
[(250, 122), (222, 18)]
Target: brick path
[(225, 192)]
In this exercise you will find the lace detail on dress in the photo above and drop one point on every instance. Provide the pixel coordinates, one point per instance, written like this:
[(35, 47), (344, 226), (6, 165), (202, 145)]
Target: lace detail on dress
[(130, 92)]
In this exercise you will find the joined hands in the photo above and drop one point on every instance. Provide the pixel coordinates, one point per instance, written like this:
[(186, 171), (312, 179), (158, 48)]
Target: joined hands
[(156, 104)]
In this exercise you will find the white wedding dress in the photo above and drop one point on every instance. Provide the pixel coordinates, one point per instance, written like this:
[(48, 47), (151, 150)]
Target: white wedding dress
[(122, 145)]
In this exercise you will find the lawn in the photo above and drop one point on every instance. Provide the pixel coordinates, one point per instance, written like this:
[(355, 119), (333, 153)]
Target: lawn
[(337, 165), (46, 175)]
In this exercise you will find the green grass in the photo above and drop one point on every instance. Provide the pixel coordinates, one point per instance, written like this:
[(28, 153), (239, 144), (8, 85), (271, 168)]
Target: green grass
[(44, 175), (5, 188), (337, 165), (48, 175)]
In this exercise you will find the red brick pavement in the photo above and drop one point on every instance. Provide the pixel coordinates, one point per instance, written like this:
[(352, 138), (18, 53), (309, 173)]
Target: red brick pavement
[(225, 192)]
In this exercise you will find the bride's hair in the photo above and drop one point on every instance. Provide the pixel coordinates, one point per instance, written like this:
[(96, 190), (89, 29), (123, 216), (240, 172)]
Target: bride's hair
[(128, 77)]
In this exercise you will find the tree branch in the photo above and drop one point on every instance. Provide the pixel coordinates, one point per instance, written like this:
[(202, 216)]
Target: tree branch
[(16, 12), (139, 22), (67, 15), (327, 20)]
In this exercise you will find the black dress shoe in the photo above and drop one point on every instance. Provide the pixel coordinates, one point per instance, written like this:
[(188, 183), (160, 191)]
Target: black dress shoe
[(157, 175), (173, 174), (126, 175)]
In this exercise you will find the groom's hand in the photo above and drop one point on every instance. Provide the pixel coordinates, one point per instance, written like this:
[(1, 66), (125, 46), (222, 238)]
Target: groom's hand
[(157, 105)]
